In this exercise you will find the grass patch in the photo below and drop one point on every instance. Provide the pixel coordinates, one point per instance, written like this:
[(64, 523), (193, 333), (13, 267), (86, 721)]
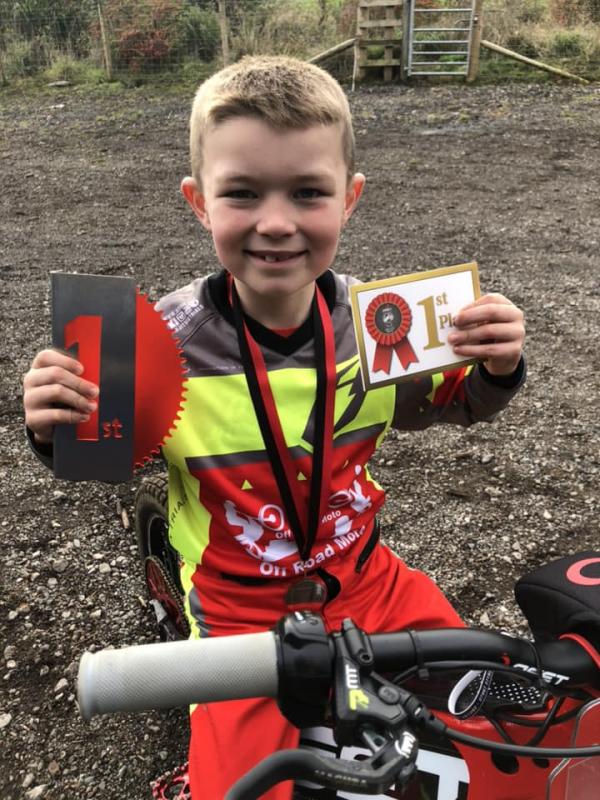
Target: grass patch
[(498, 69), (67, 68), (495, 68), (567, 44), (89, 80)]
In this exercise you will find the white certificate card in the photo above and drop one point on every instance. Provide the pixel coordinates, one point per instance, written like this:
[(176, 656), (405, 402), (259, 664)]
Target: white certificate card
[(402, 324)]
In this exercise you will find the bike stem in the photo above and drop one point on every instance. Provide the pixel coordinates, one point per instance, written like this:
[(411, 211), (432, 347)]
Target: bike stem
[(368, 711), (310, 663)]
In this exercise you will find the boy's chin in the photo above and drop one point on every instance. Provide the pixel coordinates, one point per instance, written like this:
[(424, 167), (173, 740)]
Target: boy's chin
[(276, 282)]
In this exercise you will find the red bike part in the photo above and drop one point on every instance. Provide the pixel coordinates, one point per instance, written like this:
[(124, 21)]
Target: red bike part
[(161, 589), (159, 378), (173, 785)]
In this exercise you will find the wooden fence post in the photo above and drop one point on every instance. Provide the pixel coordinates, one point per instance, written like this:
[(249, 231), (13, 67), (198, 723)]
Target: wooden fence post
[(105, 45), (224, 33), (406, 34), (3, 78), (475, 44)]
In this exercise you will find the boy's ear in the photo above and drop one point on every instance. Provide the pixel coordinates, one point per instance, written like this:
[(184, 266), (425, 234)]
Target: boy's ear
[(196, 200), (353, 193)]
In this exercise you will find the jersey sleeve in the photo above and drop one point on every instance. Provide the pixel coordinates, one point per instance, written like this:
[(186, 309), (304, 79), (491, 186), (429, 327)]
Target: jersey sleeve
[(44, 452), (460, 396)]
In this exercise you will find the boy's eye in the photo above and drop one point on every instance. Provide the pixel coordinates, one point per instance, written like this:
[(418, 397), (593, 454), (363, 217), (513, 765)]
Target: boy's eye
[(240, 194), (308, 193)]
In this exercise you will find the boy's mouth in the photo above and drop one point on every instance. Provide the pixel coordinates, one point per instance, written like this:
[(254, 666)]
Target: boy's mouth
[(274, 256)]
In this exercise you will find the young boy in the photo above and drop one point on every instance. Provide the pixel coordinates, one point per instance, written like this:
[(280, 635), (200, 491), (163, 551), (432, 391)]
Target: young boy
[(270, 496)]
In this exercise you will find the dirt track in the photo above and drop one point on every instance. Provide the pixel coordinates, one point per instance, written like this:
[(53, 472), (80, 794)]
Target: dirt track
[(506, 176)]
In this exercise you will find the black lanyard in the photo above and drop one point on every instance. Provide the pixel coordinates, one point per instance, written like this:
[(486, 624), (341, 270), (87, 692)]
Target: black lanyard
[(303, 519)]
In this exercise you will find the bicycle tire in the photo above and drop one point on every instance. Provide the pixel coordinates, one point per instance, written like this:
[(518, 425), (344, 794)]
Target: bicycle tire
[(152, 526)]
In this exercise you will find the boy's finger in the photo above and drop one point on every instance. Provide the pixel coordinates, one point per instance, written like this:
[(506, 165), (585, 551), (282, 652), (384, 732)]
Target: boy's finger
[(490, 312), (52, 357), (489, 350), (49, 417), (491, 297), (46, 396), (50, 395), (59, 376), (500, 332)]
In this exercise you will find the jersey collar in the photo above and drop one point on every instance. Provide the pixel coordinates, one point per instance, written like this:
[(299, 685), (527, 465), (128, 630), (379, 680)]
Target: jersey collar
[(285, 345)]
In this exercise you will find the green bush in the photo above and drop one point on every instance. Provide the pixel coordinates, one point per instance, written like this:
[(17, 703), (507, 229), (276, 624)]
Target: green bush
[(593, 10), (522, 44), (532, 10), (566, 44), (575, 12), (67, 68), (16, 59), (291, 27), (194, 72), (198, 33), (22, 58), (64, 23)]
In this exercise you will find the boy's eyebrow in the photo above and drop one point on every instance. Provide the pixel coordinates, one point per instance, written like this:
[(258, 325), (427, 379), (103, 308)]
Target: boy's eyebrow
[(310, 177), (313, 177)]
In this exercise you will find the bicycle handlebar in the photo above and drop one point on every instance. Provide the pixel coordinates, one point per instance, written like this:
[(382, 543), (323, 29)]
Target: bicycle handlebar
[(174, 674), (307, 670)]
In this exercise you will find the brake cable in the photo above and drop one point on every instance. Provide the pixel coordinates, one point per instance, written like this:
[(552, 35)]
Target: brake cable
[(422, 716), (548, 721), (532, 723)]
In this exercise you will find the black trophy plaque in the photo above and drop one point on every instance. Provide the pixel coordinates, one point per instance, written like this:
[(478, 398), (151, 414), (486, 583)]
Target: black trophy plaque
[(94, 319)]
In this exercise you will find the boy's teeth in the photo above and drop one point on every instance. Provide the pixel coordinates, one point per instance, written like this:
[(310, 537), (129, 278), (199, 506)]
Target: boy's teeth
[(271, 258)]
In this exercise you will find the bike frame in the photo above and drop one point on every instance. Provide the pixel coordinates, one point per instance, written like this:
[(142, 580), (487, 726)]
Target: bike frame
[(454, 771)]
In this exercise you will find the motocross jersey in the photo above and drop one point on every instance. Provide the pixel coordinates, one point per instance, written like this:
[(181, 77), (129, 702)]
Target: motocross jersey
[(225, 509)]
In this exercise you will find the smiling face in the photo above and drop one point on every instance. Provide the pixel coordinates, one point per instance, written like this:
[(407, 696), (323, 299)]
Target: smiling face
[(275, 202)]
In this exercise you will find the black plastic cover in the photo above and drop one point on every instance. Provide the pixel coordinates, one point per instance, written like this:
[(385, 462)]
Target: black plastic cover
[(563, 597)]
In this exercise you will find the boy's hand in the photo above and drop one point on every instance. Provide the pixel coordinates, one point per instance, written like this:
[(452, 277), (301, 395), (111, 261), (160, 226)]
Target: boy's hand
[(492, 329), (54, 394)]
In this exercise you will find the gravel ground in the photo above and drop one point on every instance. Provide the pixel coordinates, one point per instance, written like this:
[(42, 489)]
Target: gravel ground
[(505, 176)]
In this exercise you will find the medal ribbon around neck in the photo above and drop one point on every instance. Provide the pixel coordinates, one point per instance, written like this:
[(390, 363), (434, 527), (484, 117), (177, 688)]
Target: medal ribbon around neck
[(303, 518)]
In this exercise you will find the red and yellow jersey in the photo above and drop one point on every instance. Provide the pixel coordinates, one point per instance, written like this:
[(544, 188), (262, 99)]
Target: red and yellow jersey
[(225, 511)]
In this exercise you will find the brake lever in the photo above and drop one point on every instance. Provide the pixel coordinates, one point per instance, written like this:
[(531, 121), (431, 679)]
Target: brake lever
[(363, 700), (393, 763), (370, 710)]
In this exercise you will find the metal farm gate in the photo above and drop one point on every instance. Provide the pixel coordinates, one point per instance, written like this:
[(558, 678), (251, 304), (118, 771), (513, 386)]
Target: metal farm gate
[(417, 37), (438, 38)]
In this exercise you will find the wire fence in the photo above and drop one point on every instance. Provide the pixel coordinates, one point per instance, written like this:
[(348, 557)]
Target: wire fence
[(95, 40), (61, 39)]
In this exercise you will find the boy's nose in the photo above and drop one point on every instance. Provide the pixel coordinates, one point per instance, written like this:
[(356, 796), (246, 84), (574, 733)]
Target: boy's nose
[(275, 220)]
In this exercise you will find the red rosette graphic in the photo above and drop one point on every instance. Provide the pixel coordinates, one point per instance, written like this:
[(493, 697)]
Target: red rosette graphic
[(159, 378), (388, 320)]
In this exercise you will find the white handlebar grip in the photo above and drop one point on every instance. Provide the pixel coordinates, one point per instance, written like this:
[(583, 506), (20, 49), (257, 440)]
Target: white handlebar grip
[(176, 674)]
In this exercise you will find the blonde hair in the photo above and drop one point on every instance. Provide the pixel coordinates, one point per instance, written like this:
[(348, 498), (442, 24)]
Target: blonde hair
[(282, 91)]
